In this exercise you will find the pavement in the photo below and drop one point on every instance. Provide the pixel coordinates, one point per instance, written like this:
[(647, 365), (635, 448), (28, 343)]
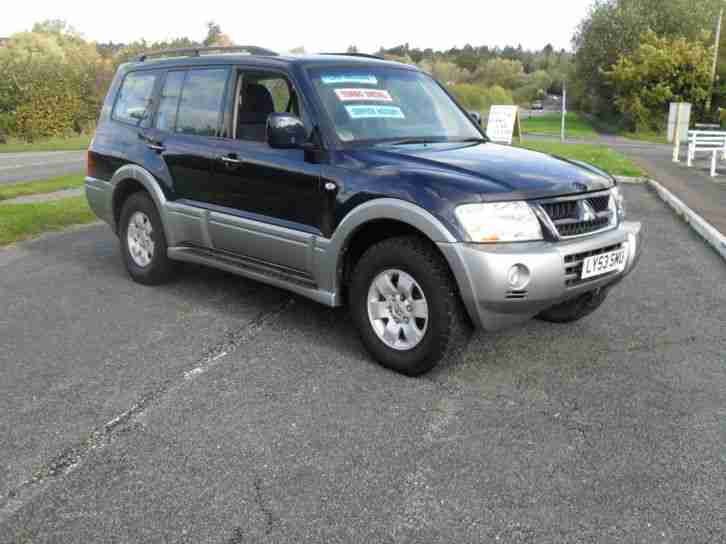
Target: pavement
[(216, 409), (694, 186), (31, 166), (705, 195)]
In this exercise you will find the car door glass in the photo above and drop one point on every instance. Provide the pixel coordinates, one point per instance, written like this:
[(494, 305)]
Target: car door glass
[(133, 105), (169, 101), (260, 95), (200, 107)]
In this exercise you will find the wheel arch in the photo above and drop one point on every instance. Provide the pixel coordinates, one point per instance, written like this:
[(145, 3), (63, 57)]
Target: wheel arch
[(130, 179), (372, 222)]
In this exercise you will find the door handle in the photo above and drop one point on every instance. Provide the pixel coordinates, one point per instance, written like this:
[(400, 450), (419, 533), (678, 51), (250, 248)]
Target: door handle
[(231, 161), (151, 143)]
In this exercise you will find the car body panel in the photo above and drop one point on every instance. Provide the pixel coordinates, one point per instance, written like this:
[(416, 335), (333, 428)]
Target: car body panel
[(286, 216)]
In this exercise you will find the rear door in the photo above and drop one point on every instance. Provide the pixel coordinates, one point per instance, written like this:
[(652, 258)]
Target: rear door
[(187, 125)]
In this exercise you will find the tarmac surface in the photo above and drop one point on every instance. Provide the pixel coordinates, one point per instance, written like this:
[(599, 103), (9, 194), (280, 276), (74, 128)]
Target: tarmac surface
[(31, 166), (216, 409)]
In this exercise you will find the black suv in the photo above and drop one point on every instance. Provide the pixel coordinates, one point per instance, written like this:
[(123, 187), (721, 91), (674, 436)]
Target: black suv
[(351, 180)]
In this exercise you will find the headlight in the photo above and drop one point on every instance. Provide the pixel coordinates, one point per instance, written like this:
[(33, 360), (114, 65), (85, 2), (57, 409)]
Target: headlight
[(619, 202), (499, 222)]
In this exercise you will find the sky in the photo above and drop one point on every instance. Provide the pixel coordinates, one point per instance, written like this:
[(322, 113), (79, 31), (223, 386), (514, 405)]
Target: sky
[(318, 25)]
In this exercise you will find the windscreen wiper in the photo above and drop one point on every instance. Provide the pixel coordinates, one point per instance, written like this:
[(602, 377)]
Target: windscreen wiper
[(416, 140), (477, 139)]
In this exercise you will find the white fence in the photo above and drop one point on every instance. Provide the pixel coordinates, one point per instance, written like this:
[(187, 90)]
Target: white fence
[(706, 141)]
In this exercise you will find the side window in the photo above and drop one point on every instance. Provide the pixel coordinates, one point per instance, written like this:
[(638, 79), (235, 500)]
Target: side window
[(169, 101), (261, 94), (279, 90), (200, 107), (133, 104)]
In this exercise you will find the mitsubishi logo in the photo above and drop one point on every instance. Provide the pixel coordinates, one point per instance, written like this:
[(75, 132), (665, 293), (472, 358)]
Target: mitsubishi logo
[(585, 211)]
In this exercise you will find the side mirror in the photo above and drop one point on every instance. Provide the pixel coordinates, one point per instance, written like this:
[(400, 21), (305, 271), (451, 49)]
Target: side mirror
[(476, 116), (285, 131)]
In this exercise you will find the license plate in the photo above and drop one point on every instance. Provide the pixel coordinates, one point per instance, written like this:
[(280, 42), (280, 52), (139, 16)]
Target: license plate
[(602, 264)]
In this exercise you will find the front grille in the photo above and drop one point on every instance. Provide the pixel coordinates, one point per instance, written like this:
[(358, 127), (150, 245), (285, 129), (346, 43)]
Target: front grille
[(576, 228), (600, 203), (573, 265), (567, 216)]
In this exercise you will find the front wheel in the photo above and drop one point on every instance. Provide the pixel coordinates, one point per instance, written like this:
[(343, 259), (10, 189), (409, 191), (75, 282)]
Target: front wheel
[(404, 302), (575, 309)]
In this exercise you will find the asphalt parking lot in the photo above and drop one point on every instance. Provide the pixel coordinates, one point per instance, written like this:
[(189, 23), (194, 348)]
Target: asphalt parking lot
[(220, 410)]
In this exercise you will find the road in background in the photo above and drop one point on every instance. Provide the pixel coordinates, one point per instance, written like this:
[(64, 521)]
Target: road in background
[(31, 166), (216, 409)]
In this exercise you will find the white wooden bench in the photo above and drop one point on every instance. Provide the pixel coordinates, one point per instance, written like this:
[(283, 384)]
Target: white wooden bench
[(714, 159), (709, 141)]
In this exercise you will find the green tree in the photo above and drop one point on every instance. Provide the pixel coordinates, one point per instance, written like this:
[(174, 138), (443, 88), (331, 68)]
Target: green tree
[(50, 82), (503, 72), (214, 32), (134, 49), (660, 71), (444, 71), (614, 28), (476, 98)]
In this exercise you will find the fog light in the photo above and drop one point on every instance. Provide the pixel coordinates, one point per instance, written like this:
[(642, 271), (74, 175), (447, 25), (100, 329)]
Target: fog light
[(518, 276)]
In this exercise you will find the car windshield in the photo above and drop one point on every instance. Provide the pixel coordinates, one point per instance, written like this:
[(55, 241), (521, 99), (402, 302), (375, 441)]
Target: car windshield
[(390, 105)]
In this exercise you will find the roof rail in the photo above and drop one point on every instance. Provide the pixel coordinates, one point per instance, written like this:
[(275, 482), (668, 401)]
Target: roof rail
[(197, 51), (362, 55)]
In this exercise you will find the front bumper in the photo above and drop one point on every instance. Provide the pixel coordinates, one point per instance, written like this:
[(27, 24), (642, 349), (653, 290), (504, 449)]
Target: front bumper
[(481, 273)]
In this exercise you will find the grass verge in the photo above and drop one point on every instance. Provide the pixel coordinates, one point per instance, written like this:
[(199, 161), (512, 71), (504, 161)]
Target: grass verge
[(73, 143), (26, 188), (576, 126), (598, 155), (650, 137), (614, 128), (21, 221)]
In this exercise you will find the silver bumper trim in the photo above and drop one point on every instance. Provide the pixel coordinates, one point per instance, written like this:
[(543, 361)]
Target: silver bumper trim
[(481, 273), (99, 194)]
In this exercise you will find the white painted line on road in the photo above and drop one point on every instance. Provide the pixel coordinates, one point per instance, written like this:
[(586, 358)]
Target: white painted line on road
[(707, 231), (201, 369)]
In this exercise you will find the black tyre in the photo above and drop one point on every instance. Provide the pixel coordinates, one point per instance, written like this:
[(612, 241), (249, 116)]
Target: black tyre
[(575, 309), (143, 243), (404, 302)]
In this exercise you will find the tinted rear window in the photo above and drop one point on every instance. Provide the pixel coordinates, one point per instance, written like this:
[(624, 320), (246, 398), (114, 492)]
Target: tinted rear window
[(133, 104)]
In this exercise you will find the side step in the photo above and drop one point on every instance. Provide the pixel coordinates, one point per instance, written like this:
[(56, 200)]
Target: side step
[(290, 279)]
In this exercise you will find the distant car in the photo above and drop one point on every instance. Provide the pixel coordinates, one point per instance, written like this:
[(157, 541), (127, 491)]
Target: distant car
[(537, 106), (351, 180)]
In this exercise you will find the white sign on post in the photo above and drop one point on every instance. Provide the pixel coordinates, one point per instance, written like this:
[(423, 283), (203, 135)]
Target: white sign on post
[(683, 118), (503, 124)]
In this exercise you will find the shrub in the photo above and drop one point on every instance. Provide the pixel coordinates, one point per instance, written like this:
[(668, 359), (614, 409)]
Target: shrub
[(476, 98), (49, 83), (660, 71)]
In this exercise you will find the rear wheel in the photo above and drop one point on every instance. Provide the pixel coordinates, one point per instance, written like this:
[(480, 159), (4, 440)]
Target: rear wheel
[(404, 302), (575, 309), (143, 243)]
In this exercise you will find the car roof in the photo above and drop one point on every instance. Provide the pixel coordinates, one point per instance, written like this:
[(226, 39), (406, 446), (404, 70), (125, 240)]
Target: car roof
[(266, 61)]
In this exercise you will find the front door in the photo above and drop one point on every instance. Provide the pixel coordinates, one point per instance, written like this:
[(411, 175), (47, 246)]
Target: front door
[(268, 202)]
